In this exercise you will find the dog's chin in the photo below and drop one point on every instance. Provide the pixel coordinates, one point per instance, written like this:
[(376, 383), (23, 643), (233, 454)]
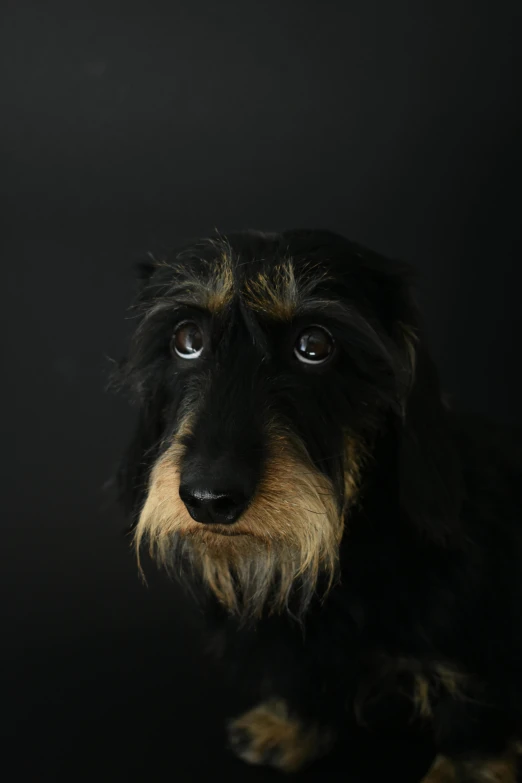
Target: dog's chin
[(249, 575)]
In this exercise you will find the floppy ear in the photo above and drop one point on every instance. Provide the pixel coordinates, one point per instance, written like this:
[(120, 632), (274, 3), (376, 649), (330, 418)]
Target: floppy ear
[(428, 468), (428, 465), (134, 468)]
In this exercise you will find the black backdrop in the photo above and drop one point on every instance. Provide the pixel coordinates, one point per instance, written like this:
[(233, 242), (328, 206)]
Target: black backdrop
[(125, 128)]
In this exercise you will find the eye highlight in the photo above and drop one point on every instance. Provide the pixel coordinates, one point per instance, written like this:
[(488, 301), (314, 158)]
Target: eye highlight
[(315, 345), (187, 340)]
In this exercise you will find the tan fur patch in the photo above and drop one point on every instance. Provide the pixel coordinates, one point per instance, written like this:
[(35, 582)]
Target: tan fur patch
[(441, 771), (421, 696), (290, 533), (213, 287), (425, 683), (451, 680), (353, 462), (411, 340), (493, 770), (269, 735), (276, 295), (281, 294), (431, 679)]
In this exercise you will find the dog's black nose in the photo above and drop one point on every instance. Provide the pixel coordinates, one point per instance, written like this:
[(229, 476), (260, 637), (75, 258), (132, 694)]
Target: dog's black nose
[(210, 506)]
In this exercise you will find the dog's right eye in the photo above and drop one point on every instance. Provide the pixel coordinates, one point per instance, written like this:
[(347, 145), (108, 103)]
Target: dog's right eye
[(187, 340)]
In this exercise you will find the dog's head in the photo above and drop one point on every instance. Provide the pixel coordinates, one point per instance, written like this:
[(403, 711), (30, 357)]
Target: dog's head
[(265, 368)]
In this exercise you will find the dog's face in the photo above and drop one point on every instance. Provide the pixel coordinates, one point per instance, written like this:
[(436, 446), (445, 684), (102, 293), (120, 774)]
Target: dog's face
[(265, 366)]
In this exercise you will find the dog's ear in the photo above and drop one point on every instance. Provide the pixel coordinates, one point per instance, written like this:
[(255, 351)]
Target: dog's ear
[(145, 268), (428, 466), (427, 463), (135, 464)]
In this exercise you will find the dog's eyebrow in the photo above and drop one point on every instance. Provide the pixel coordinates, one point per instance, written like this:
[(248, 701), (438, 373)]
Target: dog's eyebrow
[(211, 289), (281, 293), (207, 285)]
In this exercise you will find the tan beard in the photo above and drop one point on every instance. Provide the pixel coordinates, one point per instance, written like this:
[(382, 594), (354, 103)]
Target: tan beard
[(287, 538)]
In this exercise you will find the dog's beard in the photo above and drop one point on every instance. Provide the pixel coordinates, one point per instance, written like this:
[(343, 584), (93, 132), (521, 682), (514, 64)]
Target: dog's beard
[(274, 557)]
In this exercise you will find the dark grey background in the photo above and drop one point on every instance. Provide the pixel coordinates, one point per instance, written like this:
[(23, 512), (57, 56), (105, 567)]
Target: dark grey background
[(126, 128)]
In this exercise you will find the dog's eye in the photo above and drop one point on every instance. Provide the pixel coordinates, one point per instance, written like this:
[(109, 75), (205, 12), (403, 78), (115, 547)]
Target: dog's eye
[(314, 345), (187, 341)]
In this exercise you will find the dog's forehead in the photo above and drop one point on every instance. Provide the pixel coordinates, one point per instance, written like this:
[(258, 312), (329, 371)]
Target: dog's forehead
[(266, 273)]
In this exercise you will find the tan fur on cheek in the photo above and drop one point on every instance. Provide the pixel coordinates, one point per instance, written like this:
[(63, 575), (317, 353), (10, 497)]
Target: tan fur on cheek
[(354, 454), (164, 513)]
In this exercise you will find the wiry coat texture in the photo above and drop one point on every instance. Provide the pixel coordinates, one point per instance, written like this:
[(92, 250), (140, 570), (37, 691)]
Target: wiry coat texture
[(379, 551)]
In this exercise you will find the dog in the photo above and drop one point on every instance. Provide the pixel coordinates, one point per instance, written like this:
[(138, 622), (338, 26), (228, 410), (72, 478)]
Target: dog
[(296, 464)]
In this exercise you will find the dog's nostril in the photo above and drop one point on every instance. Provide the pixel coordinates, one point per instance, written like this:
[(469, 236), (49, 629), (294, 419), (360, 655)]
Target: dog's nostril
[(209, 506), (224, 504)]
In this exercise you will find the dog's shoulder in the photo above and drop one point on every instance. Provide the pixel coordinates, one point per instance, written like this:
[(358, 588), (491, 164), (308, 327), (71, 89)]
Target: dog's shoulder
[(491, 458), (485, 440)]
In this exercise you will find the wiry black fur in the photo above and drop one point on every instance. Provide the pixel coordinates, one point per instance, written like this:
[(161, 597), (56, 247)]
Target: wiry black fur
[(432, 553)]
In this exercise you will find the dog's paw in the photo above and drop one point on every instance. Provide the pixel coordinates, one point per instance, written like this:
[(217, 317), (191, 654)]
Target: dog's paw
[(269, 735)]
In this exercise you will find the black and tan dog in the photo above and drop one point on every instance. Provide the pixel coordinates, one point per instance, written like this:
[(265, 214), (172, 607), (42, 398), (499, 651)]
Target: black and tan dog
[(296, 465)]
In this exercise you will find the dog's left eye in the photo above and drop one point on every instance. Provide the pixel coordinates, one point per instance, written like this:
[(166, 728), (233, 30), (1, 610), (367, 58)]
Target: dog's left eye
[(314, 345), (187, 341)]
